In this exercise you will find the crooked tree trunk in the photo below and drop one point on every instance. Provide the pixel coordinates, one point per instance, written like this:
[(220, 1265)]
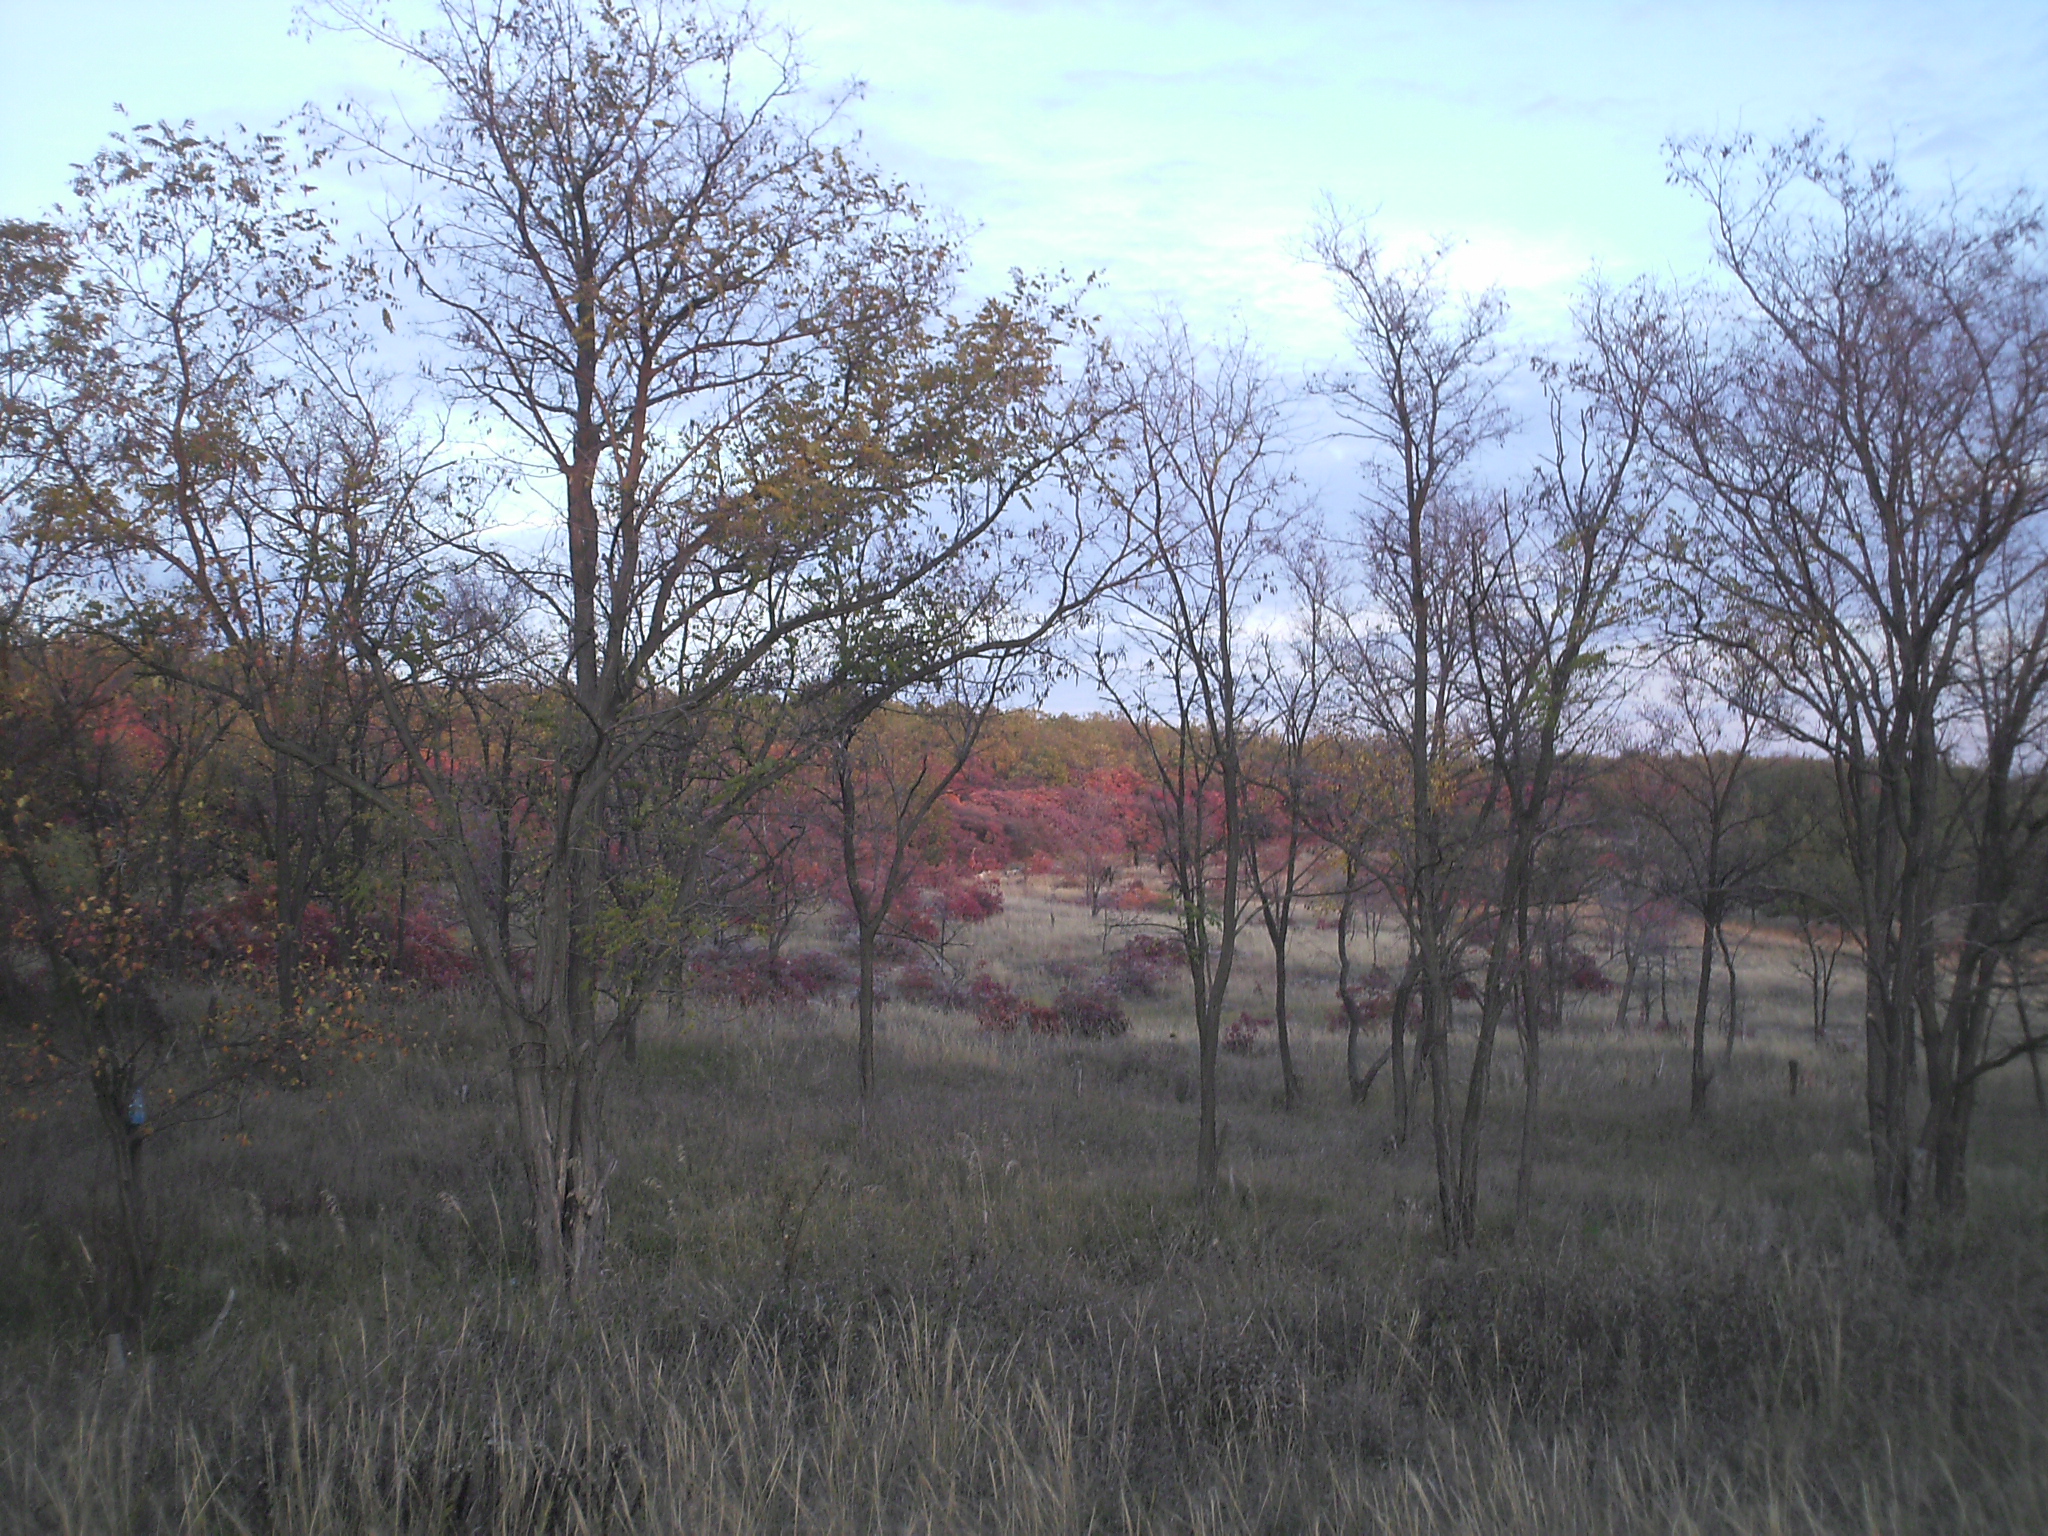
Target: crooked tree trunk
[(1630, 960), (290, 894), (2027, 1037), (1210, 987), (1432, 1049), (1463, 1227), (1354, 1014)]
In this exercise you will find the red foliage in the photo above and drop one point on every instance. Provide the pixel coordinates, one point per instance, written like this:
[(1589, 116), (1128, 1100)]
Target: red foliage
[(1083, 1013), (1141, 898), (1138, 969), (1242, 1037), (242, 931), (749, 976), (1583, 974), (969, 901), (433, 955), (1088, 1015), (997, 1008)]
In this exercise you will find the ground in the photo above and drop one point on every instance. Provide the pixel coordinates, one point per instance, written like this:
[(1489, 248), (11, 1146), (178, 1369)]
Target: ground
[(992, 1303)]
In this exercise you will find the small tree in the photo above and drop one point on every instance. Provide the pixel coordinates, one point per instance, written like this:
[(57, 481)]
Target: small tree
[(886, 775), (1859, 420), (1287, 766), (1423, 398), (1209, 498), (1713, 838)]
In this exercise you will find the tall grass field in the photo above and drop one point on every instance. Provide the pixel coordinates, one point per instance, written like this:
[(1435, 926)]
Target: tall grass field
[(990, 1302)]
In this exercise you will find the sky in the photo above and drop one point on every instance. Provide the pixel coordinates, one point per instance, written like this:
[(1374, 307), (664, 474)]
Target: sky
[(1180, 151)]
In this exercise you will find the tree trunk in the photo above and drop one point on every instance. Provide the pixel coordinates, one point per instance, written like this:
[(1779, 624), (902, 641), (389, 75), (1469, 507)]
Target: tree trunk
[(1433, 1049), (1628, 981), (1472, 1125), (1397, 1034), (1702, 1074), (1290, 1086), (1532, 1079), (1354, 1015), (865, 1003), (2019, 1002), (529, 1063), (1734, 994), (131, 1276)]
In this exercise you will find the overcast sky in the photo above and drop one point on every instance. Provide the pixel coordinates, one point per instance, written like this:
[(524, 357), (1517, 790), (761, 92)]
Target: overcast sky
[(1180, 150)]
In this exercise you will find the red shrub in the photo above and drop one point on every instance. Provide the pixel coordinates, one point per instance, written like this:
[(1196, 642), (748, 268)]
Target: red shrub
[(748, 976), (1243, 1036), (974, 901), (1141, 965), (243, 931), (1583, 974), (1090, 1015), (997, 1008), (1141, 898), (433, 954)]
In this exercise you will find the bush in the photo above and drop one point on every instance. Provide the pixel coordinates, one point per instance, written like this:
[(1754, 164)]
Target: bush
[(973, 901), (1243, 1036), (1079, 1013), (1090, 1015), (1142, 965), (1583, 974), (997, 1008), (919, 983), (749, 976)]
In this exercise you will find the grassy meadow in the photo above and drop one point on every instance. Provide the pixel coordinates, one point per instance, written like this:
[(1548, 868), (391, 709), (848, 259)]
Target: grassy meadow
[(991, 1303)]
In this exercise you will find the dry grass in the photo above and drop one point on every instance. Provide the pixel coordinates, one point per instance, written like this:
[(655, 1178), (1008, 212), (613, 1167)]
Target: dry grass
[(997, 1309)]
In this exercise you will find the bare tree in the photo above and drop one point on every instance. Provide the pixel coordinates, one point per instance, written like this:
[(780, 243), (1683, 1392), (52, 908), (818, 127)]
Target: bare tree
[(1424, 400), (887, 772), (1860, 418), (1543, 600), (1287, 773), (1712, 838), (1210, 499)]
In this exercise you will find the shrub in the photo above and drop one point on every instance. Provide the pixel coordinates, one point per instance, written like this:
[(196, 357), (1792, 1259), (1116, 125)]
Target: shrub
[(997, 1008), (1141, 898), (1583, 974), (919, 983), (973, 901), (748, 976), (1090, 1015), (1243, 1036), (1139, 968)]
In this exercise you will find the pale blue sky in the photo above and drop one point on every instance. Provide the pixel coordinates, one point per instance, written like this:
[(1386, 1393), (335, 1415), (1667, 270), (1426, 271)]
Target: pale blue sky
[(1180, 149)]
